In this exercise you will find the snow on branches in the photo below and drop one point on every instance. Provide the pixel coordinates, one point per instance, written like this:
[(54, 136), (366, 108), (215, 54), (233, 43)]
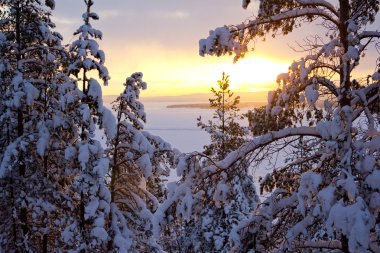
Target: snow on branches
[(330, 165), (139, 163)]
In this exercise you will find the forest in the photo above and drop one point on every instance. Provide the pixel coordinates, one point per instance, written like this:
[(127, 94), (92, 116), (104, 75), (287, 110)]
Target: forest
[(62, 191)]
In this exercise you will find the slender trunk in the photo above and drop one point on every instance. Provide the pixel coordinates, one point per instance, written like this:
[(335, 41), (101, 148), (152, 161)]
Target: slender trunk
[(20, 117), (45, 165), (115, 168), (223, 125), (345, 85), (84, 83), (82, 221), (45, 244), (84, 138), (14, 227), (82, 207), (45, 236), (23, 217), (85, 100), (344, 13), (344, 242)]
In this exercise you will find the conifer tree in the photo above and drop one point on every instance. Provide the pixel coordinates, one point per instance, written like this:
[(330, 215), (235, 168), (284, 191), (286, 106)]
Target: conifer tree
[(34, 126), (139, 161), (206, 206), (324, 196), (226, 133), (85, 230)]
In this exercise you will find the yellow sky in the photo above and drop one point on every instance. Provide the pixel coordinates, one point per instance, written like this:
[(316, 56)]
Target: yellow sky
[(178, 73), (160, 39)]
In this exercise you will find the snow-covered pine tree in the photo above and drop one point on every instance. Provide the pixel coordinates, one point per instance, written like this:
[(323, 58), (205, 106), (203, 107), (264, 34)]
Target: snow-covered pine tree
[(326, 196), (35, 126), (139, 161), (225, 132), (206, 205), (85, 230)]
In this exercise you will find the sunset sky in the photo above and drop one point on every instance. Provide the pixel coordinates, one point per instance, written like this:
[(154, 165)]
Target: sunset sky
[(160, 39)]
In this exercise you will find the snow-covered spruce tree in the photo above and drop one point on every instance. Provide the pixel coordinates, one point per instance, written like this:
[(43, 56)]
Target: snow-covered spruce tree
[(85, 230), (326, 196), (206, 206), (139, 160), (35, 126), (225, 132)]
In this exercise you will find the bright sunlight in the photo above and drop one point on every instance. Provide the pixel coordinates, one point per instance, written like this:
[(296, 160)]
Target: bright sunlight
[(196, 75), (255, 74)]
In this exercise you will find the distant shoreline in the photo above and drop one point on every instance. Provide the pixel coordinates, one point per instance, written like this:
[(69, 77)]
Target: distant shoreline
[(198, 98), (207, 106)]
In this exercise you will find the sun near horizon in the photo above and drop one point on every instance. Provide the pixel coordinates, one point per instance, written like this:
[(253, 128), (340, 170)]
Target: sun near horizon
[(174, 77), (163, 45)]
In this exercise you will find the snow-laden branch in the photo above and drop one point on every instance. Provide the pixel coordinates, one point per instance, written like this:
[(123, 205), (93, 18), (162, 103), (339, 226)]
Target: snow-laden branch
[(265, 140), (364, 92), (230, 39), (322, 3), (333, 244), (328, 84), (369, 34), (292, 14), (361, 96)]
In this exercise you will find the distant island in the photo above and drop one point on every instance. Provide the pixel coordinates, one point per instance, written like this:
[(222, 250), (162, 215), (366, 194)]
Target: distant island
[(207, 105)]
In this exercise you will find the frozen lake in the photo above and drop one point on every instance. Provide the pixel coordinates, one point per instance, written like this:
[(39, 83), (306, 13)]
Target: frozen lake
[(178, 126)]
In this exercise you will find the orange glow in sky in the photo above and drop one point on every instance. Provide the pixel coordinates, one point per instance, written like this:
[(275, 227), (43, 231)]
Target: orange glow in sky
[(185, 73), (160, 39)]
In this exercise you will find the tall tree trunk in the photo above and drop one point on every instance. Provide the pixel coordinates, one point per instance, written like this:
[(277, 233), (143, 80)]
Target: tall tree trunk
[(344, 242), (45, 244), (20, 117), (82, 221), (344, 14), (115, 169)]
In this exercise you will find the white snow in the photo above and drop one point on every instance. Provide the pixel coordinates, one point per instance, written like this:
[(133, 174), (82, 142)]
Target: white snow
[(354, 221), (43, 140), (109, 123), (311, 94), (221, 194), (373, 180)]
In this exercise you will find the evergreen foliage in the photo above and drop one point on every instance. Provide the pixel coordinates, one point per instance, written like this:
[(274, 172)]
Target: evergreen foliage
[(207, 205), (226, 133), (323, 197), (61, 192), (139, 162), (86, 229), (32, 134)]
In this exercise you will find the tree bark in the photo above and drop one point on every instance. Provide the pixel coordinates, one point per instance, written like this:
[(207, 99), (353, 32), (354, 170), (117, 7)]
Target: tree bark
[(344, 241), (45, 244), (20, 117), (344, 14)]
